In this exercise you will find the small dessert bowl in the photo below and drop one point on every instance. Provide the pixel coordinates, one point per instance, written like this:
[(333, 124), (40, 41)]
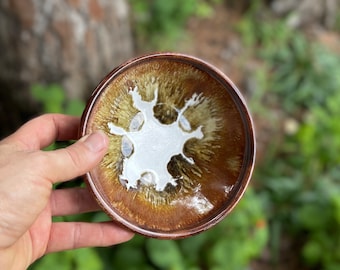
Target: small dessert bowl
[(182, 145)]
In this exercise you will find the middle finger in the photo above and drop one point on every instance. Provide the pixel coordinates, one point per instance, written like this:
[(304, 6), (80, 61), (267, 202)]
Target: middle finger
[(72, 201)]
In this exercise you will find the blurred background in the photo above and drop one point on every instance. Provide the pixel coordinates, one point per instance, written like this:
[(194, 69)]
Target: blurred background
[(284, 55)]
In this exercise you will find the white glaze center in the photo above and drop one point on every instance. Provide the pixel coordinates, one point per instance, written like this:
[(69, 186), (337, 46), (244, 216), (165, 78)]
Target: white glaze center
[(149, 145)]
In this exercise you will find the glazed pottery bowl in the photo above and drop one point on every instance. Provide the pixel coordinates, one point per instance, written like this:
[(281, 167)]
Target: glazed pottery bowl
[(182, 145)]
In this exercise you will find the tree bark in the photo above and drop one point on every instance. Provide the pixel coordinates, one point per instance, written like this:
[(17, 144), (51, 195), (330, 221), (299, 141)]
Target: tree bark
[(308, 12), (73, 43)]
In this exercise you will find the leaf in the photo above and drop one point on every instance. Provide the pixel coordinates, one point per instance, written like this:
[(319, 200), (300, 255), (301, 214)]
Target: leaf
[(74, 107), (129, 257), (54, 261), (165, 254), (192, 247), (228, 254), (312, 252), (87, 258), (51, 97)]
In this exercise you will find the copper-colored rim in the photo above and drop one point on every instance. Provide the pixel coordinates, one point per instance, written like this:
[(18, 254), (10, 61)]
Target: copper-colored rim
[(249, 157)]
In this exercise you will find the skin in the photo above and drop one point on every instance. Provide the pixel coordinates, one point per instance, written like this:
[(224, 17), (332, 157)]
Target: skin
[(27, 201)]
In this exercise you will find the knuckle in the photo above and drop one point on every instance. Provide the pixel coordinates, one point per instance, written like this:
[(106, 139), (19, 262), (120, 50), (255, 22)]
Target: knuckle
[(75, 158), (77, 235)]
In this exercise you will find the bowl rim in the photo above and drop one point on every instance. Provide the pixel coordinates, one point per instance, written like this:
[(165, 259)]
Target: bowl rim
[(248, 164)]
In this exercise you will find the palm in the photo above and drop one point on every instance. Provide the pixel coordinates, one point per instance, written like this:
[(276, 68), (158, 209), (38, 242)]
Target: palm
[(34, 242), (39, 233)]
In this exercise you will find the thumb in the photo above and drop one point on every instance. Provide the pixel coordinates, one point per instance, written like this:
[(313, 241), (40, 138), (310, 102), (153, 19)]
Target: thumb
[(77, 159)]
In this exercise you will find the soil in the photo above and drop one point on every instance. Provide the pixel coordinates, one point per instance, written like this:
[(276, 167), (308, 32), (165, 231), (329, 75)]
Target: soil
[(215, 40)]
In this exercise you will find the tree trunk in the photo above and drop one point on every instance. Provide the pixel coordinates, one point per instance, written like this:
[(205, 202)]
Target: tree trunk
[(308, 12), (73, 43)]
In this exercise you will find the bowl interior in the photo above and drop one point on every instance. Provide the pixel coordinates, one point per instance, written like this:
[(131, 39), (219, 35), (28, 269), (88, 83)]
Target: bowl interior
[(181, 145)]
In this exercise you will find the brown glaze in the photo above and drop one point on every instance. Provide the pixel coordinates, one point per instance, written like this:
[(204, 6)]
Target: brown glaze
[(223, 158)]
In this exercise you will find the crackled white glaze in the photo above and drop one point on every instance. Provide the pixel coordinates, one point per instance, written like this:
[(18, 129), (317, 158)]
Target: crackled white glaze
[(149, 145)]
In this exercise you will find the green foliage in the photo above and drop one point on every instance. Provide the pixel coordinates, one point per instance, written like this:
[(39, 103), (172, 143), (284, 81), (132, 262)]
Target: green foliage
[(322, 126), (159, 24), (229, 245), (337, 21), (258, 34), (240, 238), (318, 216), (85, 258), (129, 256), (319, 143), (300, 73), (53, 100), (165, 254), (303, 74), (300, 179)]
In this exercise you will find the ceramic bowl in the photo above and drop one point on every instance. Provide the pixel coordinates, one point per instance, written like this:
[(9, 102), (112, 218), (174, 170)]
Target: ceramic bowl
[(182, 145)]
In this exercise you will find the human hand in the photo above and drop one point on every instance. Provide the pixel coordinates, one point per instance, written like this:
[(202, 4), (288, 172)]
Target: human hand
[(27, 201)]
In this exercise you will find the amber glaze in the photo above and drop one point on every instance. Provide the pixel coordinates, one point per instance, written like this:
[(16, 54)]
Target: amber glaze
[(224, 157)]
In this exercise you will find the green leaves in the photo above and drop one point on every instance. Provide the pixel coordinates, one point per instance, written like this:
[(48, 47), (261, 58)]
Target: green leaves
[(318, 136), (85, 258), (160, 23), (165, 254), (52, 97), (53, 100), (231, 244), (300, 72), (130, 255), (299, 78)]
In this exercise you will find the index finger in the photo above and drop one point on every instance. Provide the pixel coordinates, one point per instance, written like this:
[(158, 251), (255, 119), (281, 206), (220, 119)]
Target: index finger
[(44, 130)]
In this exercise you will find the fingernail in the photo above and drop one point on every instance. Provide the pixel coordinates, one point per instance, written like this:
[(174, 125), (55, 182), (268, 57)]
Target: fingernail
[(96, 141)]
